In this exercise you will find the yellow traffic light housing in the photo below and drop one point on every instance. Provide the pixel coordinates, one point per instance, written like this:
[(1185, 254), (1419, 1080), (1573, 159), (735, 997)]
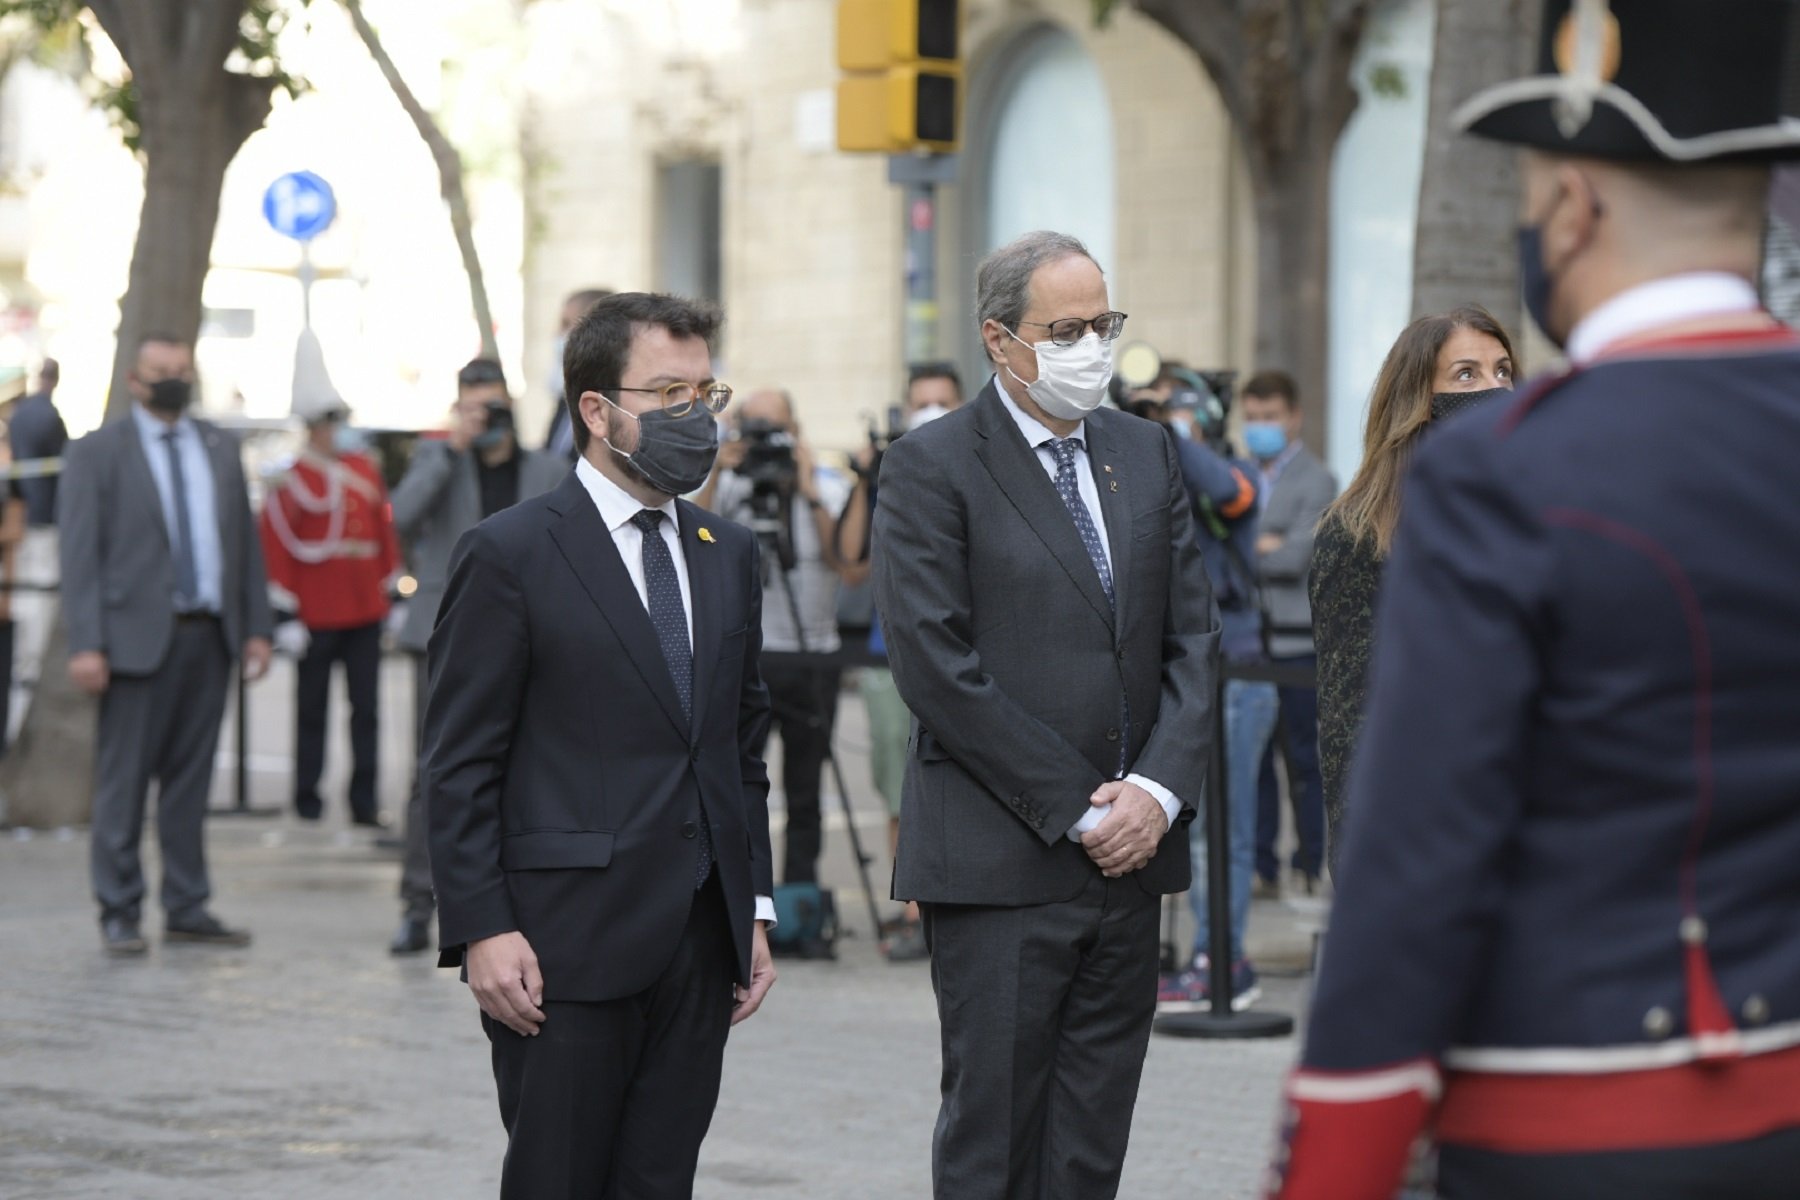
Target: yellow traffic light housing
[(903, 86)]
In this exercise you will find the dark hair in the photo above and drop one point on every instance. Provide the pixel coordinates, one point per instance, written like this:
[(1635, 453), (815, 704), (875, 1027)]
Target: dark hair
[(586, 298), (50, 373), (934, 370), (1277, 384), (1399, 411), (160, 338), (479, 372), (600, 344)]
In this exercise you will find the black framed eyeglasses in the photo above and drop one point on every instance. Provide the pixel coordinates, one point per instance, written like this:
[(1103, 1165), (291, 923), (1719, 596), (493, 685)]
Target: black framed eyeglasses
[(678, 398), (1066, 331)]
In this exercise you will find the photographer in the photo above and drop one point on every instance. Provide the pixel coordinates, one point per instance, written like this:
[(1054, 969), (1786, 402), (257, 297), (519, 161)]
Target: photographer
[(767, 478), (452, 485)]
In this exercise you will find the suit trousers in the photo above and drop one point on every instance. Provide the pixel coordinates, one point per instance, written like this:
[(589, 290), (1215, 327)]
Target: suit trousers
[(1045, 1013), (804, 699), (162, 727), (1764, 1168), (416, 896), (611, 1100), (359, 650)]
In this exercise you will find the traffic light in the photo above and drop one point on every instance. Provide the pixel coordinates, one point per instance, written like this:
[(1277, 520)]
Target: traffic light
[(903, 84)]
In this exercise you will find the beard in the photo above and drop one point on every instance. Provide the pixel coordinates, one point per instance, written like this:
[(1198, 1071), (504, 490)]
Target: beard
[(615, 421)]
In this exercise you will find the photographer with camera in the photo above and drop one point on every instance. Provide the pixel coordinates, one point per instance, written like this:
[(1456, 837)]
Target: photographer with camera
[(452, 485), (767, 478)]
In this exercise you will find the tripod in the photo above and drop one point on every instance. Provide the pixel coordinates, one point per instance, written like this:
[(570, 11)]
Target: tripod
[(777, 554)]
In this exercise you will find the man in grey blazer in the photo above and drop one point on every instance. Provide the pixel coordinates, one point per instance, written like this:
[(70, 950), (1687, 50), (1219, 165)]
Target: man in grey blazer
[(452, 485), (1297, 489), (162, 585), (1050, 625)]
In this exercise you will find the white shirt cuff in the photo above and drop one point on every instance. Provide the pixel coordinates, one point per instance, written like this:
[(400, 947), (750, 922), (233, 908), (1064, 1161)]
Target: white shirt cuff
[(1089, 820), (1170, 805), (765, 910)]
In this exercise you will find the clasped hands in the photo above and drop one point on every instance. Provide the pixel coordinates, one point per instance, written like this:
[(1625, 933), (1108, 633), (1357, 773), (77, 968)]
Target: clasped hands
[(1127, 837)]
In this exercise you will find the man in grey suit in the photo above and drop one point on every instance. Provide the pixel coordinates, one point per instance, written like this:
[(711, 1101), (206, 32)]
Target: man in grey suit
[(1296, 490), (1049, 624), (452, 485), (162, 584)]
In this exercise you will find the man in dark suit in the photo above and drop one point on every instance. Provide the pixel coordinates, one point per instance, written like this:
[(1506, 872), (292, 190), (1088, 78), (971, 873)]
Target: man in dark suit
[(599, 814), (36, 430), (1049, 624), (162, 584)]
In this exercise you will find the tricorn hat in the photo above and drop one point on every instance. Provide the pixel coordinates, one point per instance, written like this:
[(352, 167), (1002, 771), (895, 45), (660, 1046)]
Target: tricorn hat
[(315, 399), (1677, 81)]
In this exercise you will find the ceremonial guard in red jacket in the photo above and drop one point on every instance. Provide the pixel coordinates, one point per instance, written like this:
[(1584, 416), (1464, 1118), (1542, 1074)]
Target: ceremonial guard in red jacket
[(1566, 941), (328, 536)]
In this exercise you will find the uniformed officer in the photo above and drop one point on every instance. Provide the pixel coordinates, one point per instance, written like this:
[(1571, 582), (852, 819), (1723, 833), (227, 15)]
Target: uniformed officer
[(1567, 937), (328, 537)]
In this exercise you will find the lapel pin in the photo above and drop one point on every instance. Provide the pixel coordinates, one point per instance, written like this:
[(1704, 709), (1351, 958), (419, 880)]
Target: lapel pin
[(706, 535), (1107, 469), (1115, 485)]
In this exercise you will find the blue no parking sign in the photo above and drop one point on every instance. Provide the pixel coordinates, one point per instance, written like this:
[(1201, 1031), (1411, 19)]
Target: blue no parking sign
[(299, 205)]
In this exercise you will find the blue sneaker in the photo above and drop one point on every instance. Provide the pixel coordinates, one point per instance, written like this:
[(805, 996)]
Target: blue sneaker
[(1191, 990)]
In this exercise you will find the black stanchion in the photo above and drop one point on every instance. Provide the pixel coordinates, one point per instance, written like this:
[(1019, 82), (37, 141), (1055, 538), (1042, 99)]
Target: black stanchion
[(240, 805), (1221, 1021)]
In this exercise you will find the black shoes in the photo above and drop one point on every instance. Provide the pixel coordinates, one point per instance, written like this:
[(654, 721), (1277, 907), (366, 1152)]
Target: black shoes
[(205, 928), (121, 937), (413, 936)]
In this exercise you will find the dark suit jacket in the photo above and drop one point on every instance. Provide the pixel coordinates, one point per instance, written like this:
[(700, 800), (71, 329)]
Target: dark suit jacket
[(118, 569), (1014, 665), (563, 783), (36, 430)]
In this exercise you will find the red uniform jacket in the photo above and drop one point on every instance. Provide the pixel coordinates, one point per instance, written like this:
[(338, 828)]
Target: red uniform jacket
[(328, 536)]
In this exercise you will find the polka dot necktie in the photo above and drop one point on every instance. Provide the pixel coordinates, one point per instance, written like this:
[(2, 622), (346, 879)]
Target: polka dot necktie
[(662, 596), (1065, 450)]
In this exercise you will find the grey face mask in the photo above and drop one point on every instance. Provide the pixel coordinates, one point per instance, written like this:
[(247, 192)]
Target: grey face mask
[(674, 454)]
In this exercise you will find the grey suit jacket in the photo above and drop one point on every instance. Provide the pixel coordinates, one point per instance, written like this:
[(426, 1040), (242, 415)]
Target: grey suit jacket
[(437, 502), (118, 568), (1014, 665), (1302, 493)]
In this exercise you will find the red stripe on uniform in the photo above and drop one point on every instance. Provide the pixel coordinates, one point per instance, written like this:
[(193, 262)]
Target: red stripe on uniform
[(1695, 1104)]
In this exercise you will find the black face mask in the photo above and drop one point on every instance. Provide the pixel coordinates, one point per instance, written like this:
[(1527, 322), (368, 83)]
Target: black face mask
[(171, 396), (1448, 404)]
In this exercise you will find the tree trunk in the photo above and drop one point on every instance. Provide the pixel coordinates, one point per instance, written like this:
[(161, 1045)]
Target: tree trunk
[(450, 175), (1469, 190), (1293, 247), (191, 134)]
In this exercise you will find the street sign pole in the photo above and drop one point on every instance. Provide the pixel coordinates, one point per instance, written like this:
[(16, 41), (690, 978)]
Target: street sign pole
[(919, 176), (307, 276)]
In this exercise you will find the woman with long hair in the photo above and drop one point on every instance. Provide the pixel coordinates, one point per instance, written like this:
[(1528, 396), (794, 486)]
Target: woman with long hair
[(1440, 366)]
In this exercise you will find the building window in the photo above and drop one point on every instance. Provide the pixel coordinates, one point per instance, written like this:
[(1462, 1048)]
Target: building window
[(687, 252)]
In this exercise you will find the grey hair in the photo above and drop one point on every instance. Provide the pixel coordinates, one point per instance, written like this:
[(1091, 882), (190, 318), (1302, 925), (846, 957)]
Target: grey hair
[(1003, 284)]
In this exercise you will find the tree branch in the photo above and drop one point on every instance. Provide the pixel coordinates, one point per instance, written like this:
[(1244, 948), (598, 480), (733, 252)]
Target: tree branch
[(450, 173), (112, 23), (1213, 30)]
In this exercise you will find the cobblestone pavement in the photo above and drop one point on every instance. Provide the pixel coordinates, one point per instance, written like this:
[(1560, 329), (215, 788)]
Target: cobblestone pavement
[(313, 1065)]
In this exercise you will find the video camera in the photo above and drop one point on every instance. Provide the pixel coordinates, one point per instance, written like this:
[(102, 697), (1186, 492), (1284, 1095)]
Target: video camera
[(499, 425), (1205, 395), (770, 467)]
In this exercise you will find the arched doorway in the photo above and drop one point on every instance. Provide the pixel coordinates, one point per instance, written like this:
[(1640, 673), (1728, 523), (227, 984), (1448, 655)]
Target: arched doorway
[(1040, 155)]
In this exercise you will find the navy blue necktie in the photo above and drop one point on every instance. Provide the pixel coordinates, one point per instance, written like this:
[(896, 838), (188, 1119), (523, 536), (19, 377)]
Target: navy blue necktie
[(1069, 488), (662, 597), (187, 577)]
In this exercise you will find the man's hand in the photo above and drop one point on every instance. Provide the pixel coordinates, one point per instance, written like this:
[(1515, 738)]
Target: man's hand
[(503, 974), (731, 455), (1269, 543), (90, 671), (1129, 835), (257, 652), (467, 422), (806, 475), (762, 977)]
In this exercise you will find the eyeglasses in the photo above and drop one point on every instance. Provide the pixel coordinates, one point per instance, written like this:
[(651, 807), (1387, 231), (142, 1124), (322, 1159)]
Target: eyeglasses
[(1069, 330), (678, 398)]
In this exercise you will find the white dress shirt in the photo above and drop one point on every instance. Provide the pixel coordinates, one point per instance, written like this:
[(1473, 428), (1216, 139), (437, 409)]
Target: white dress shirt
[(1678, 298), (1039, 438), (617, 507)]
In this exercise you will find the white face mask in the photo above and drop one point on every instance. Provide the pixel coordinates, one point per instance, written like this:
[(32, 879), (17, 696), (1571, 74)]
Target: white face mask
[(1071, 380)]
